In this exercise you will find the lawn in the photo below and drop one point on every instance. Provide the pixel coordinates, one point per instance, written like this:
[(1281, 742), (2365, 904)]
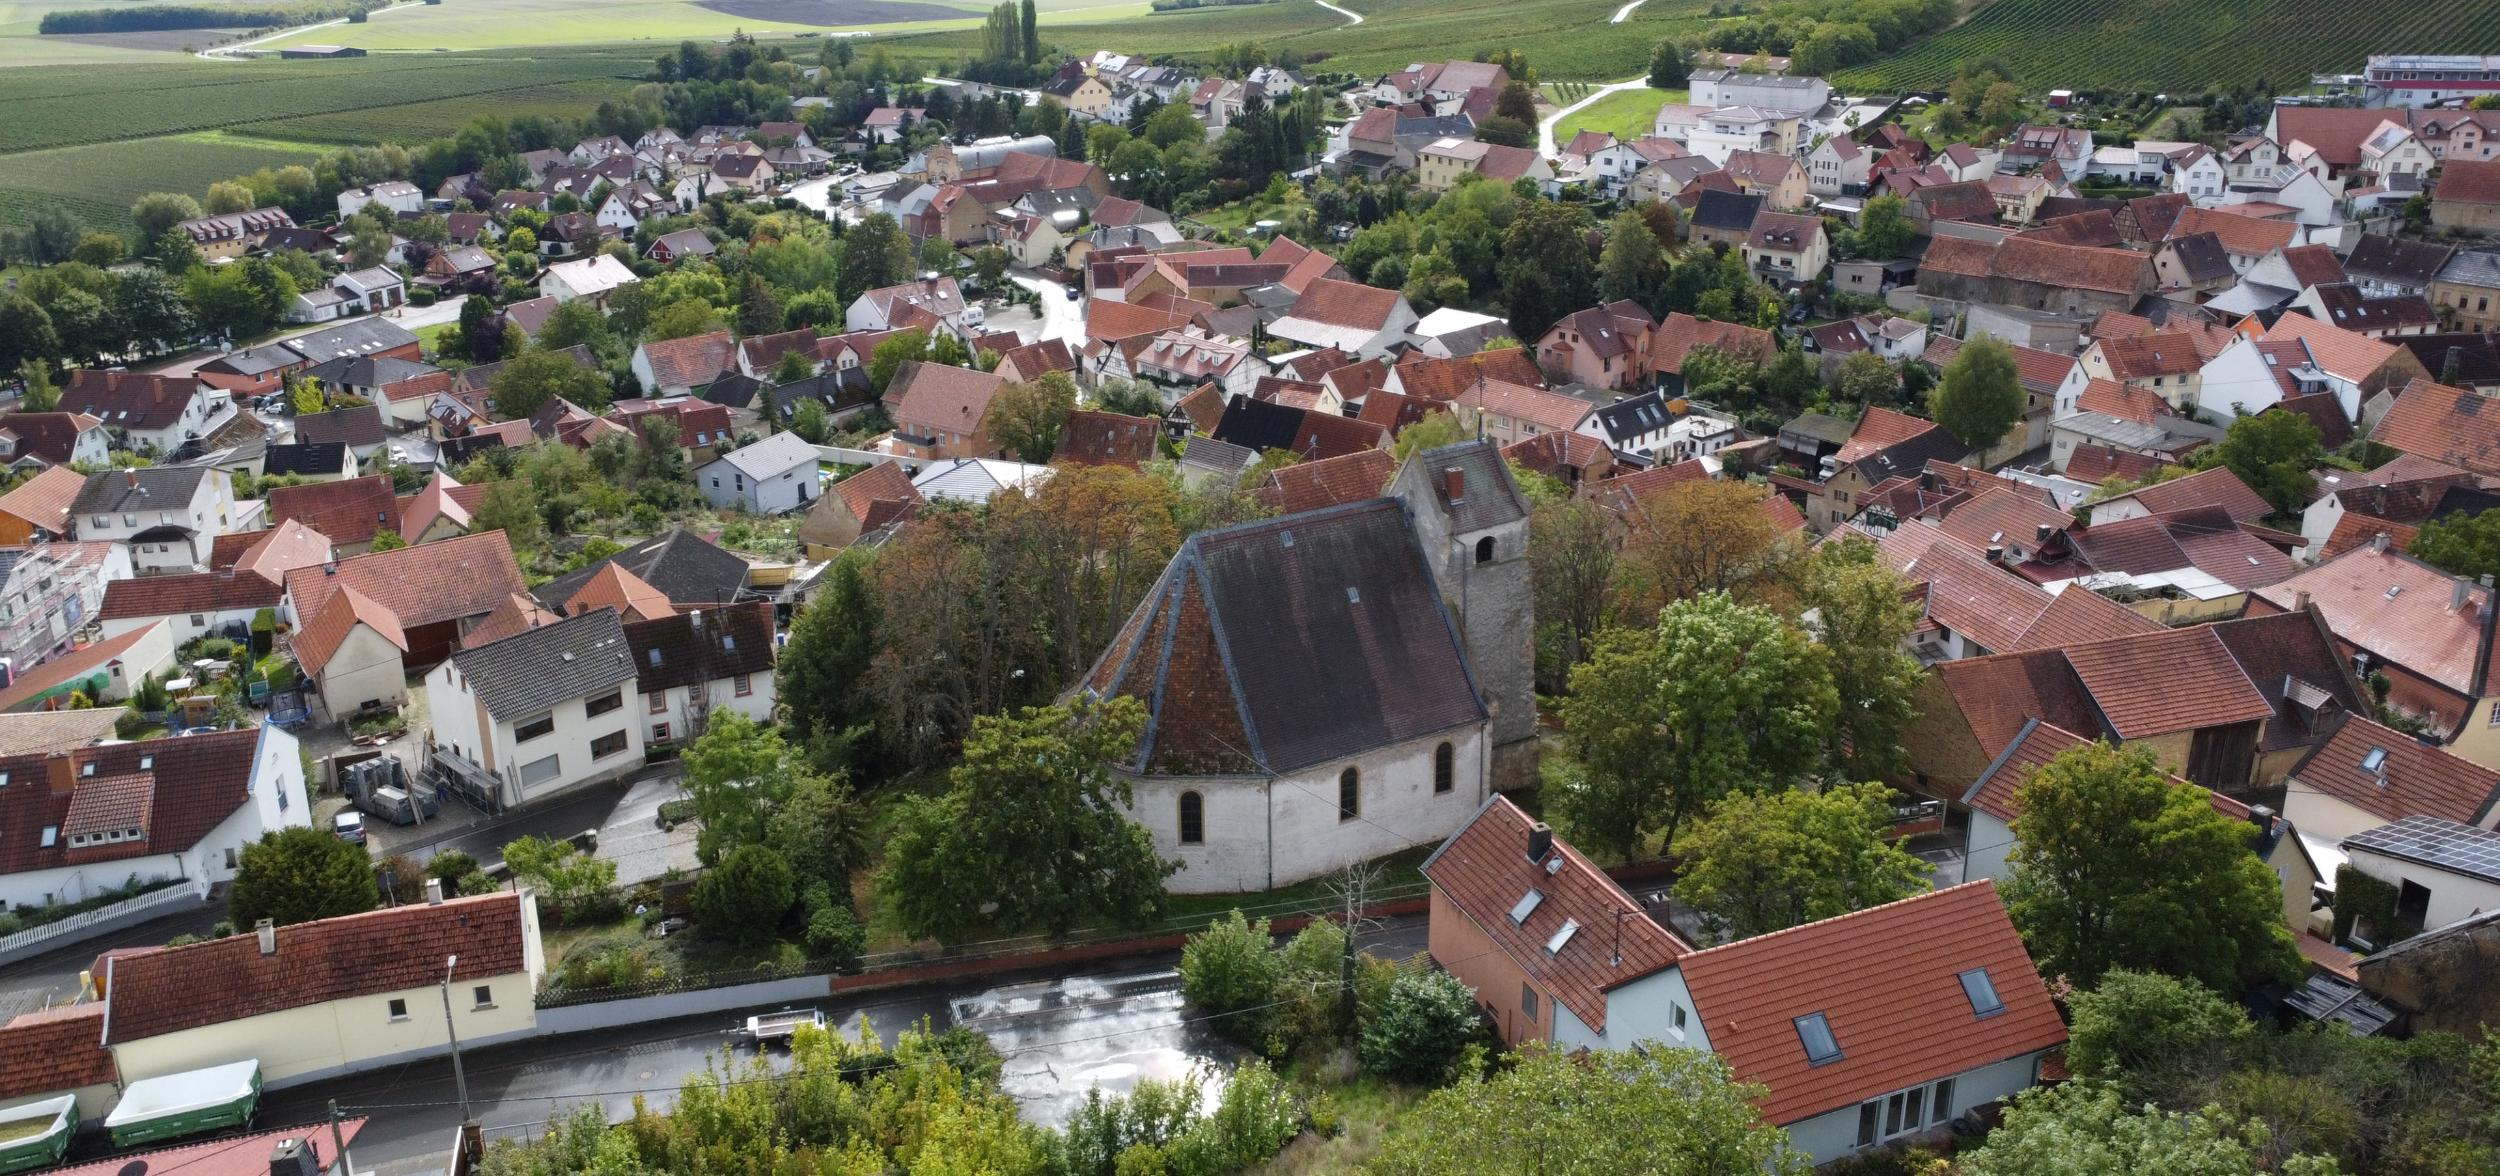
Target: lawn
[(516, 23), (98, 183), (1625, 114)]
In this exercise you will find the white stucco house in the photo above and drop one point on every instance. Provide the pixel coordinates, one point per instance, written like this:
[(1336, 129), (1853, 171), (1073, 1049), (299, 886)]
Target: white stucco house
[(545, 709), (332, 997), (161, 810), (593, 278), (169, 515), (774, 475), (696, 664)]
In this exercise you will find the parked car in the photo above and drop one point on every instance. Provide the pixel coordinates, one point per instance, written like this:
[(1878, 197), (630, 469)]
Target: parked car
[(349, 826)]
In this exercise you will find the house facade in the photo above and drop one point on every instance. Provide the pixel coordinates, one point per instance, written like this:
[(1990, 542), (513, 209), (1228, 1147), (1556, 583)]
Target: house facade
[(543, 710), (773, 476)]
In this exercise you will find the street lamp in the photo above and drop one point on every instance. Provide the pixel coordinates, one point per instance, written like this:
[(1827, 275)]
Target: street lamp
[(458, 1076)]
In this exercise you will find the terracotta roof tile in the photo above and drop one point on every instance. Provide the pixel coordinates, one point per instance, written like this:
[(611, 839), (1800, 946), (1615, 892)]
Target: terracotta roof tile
[(2175, 680), (44, 500), (2215, 487), (69, 666), (185, 789), (2096, 464), (938, 397), (2314, 265), (1109, 319), (1887, 981), (2113, 399), (2396, 608), (1345, 304), (1998, 694), (2444, 424), (691, 362), (423, 585), (157, 992), (1680, 333), (2035, 260), (2356, 530), (2468, 181), (2392, 775), (202, 592), (1333, 481), (1107, 438), (2079, 615), (349, 512), (1981, 601), (55, 1050), (1534, 406), (1483, 871), (2348, 354), (2137, 357), (2244, 235)]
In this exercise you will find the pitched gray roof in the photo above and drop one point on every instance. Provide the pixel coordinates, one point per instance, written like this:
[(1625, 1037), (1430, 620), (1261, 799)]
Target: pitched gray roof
[(771, 456), (2472, 267), (531, 671), (681, 564), (146, 488), (1491, 498)]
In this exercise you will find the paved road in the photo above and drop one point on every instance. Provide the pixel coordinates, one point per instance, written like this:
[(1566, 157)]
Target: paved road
[(51, 978), (1351, 18), (1624, 13), (1545, 129), (1113, 1024), (233, 51)]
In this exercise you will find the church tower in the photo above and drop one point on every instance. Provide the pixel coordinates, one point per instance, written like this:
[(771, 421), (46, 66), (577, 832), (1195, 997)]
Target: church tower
[(1472, 521)]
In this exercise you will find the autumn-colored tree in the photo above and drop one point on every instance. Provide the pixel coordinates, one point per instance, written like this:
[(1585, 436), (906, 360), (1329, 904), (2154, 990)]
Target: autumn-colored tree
[(1025, 417), (1701, 536)]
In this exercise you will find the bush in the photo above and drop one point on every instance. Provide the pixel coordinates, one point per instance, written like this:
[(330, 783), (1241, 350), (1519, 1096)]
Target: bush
[(835, 937), (746, 897), (400, 877), (451, 866), (1420, 1028), (2135, 1022), (1229, 971)]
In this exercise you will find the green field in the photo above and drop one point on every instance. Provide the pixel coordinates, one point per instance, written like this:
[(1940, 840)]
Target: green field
[(94, 139), (1628, 114), (2185, 44)]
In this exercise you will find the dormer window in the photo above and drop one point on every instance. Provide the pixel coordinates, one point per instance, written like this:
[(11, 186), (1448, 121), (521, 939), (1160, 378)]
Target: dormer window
[(1982, 991)]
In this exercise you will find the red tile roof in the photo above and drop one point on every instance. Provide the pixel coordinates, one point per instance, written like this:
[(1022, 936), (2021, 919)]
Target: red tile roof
[(690, 362), (2127, 403), (2348, 354), (2215, 487), (69, 666), (1311, 485), (45, 499), (2137, 357), (1533, 406), (2099, 463), (938, 397), (2079, 615), (2174, 680), (1681, 332), (187, 788), (1978, 599), (1106, 438), (1483, 870), (2396, 607), (57, 1050), (2409, 778), (1345, 304), (2355, 529), (1879, 429), (2244, 235), (203, 592), (1887, 981), (878, 495), (454, 578), (349, 512), (2468, 181), (156, 992), (1109, 319), (2444, 424)]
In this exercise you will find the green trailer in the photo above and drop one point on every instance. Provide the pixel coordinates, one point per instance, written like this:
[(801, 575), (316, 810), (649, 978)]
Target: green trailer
[(189, 1103), (36, 1134)]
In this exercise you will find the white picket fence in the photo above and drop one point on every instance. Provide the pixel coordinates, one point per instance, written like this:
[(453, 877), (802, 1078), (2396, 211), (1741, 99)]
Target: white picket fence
[(102, 920)]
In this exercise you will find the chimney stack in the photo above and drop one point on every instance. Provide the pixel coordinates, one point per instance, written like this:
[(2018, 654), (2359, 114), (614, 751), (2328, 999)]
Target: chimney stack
[(2041, 533), (2261, 816), (1996, 554), (130, 478), (2378, 542), (267, 931), (1454, 485), (433, 892), (2458, 591), (2300, 601), (293, 1157), (1540, 840)]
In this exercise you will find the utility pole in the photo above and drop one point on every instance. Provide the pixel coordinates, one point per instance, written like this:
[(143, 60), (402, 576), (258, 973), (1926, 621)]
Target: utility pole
[(338, 1143), (459, 1076)]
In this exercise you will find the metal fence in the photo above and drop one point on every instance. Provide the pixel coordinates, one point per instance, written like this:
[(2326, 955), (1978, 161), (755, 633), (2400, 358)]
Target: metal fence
[(101, 920)]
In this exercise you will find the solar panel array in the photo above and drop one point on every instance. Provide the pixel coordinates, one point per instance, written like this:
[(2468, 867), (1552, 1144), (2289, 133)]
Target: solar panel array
[(2434, 841)]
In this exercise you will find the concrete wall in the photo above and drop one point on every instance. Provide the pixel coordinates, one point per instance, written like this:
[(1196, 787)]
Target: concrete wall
[(637, 1010)]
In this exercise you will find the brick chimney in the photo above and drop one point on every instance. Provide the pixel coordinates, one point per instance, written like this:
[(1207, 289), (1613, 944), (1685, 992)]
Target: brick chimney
[(1540, 840), (1454, 485)]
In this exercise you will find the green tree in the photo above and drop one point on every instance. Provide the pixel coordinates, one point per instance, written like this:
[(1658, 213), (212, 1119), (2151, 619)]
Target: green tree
[(1885, 228), (793, 366), (1670, 65), (2084, 1129), (1231, 972), (2273, 452), (737, 773), (2461, 544), (1026, 417), (296, 875), (100, 250), (832, 642), (1434, 431), (875, 253), (820, 828), (1767, 862), (1421, 1028), (1633, 265), (510, 506), (575, 323), (25, 332), (387, 540), (681, 319), (2000, 105), (572, 882), (1720, 697), (1032, 33), (892, 353), (1516, 101), (1035, 822), (1981, 395), (1864, 378), (526, 382), (1861, 613), (2133, 1023), (1655, 1110), (1545, 268), (42, 394), (2114, 866), (307, 397), (157, 212), (744, 898)]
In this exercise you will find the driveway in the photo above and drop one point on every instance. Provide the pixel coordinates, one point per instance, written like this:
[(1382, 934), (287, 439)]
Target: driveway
[(625, 813), (1062, 317)]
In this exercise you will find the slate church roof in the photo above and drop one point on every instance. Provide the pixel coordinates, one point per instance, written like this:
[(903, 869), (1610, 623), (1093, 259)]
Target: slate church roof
[(1274, 646)]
